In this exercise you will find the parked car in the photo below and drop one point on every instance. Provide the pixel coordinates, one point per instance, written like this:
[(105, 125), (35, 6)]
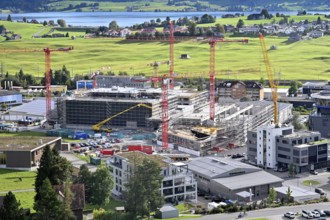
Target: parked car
[(327, 212), (290, 215), (320, 191), (322, 213), (283, 169), (316, 214), (307, 214), (314, 172)]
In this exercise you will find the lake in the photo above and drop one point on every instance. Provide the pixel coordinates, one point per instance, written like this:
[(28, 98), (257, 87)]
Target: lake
[(123, 18)]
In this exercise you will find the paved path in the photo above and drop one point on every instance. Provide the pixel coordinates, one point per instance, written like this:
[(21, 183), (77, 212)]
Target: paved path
[(269, 213), (18, 191), (76, 162)]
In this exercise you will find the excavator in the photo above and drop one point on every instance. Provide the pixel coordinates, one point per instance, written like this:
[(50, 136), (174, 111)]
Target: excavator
[(99, 126)]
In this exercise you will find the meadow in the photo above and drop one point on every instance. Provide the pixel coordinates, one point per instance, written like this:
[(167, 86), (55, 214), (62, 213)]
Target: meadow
[(303, 60)]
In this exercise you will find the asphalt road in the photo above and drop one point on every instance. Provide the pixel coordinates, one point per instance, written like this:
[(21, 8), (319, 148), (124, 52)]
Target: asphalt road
[(270, 213)]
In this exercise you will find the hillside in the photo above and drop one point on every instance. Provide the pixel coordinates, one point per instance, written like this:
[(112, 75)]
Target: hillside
[(161, 5)]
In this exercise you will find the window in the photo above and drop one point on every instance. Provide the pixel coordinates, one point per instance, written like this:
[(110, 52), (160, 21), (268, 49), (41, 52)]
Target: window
[(284, 156), (284, 149), (296, 160), (304, 160), (316, 138), (295, 153), (304, 153), (284, 141)]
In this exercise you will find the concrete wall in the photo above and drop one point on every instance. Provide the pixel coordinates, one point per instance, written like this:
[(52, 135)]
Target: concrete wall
[(18, 159), (321, 124)]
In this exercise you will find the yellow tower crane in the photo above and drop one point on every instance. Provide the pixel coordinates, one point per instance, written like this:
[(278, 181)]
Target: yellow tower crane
[(271, 77)]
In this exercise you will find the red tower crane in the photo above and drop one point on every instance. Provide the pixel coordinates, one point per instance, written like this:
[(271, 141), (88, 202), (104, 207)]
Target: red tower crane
[(47, 52), (172, 39), (213, 41)]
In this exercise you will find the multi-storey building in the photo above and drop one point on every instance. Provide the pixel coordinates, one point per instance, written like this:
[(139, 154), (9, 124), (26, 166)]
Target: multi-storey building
[(241, 89), (279, 147), (178, 182), (319, 119), (105, 81)]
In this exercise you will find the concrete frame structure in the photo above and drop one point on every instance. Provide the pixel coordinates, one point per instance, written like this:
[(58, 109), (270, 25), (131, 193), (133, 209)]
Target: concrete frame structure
[(106, 81), (237, 89), (178, 182)]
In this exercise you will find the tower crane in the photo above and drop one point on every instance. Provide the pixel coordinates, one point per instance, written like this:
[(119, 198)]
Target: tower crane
[(212, 42), (47, 52), (155, 66), (172, 39), (271, 77)]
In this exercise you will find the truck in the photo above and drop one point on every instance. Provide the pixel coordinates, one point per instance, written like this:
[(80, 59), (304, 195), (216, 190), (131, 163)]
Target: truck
[(142, 148)]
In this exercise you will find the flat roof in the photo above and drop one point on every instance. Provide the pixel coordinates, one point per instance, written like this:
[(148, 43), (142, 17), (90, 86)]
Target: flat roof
[(213, 167), (7, 92), (296, 191), (35, 107), (139, 156), (27, 143), (248, 180)]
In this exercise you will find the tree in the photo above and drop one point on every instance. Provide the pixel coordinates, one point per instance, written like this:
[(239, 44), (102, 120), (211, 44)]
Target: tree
[(143, 197), (48, 206), (293, 87), (240, 23), (272, 195), (101, 185), (98, 185), (85, 177), (192, 29), (54, 167), (67, 213), (11, 208), (288, 195), (292, 170), (9, 18), (4, 106), (24, 19), (61, 22), (219, 28), (265, 13), (296, 124), (45, 23), (113, 25), (262, 81), (67, 34), (319, 21)]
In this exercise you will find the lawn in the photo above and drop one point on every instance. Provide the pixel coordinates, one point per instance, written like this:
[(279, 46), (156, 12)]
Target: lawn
[(304, 60), (110, 206), (308, 182), (26, 199), (9, 180), (23, 134)]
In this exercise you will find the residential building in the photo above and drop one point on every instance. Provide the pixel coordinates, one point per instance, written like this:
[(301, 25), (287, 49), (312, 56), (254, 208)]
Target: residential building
[(231, 179), (319, 119), (315, 87), (316, 34), (249, 30), (277, 148), (281, 92), (178, 182)]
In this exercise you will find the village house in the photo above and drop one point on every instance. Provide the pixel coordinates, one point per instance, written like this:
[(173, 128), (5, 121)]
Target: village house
[(316, 34)]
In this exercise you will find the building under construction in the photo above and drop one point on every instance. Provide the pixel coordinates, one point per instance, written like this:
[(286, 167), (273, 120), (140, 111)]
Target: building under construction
[(189, 114)]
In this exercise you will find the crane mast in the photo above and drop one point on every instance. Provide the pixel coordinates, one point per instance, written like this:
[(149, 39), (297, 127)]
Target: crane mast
[(271, 78), (172, 55)]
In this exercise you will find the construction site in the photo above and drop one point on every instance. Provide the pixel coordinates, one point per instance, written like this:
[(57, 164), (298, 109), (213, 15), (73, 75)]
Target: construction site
[(195, 121), (188, 120)]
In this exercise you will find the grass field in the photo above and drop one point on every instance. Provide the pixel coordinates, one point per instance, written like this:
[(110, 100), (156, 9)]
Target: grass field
[(307, 60), (23, 134), (9, 181), (308, 182)]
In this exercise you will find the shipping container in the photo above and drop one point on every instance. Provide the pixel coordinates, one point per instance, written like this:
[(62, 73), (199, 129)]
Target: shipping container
[(143, 148), (95, 161), (107, 152)]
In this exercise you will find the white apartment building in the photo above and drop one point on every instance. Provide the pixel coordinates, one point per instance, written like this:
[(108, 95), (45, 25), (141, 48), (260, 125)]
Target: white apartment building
[(178, 183), (266, 144)]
